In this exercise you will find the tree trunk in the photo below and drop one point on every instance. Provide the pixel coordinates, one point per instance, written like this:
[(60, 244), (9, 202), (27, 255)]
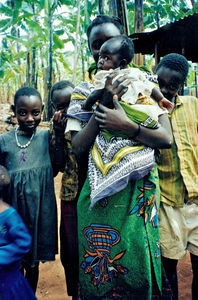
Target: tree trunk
[(33, 75), (76, 44), (138, 27), (58, 71), (19, 60), (48, 108), (82, 58), (113, 10), (28, 70), (101, 7), (33, 79), (118, 8)]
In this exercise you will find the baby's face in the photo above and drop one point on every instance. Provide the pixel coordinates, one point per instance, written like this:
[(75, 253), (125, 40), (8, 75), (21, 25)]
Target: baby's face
[(108, 57)]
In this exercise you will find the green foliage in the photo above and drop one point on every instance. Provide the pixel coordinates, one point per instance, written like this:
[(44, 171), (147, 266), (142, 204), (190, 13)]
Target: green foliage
[(158, 13), (25, 25)]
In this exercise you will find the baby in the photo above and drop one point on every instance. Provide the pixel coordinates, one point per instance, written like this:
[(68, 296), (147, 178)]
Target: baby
[(115, 55)]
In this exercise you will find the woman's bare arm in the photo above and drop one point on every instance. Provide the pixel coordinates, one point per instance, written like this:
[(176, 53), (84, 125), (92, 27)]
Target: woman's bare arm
[(117, 119), (82, 140)]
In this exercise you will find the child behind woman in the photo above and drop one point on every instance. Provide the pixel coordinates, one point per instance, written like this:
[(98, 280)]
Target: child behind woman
[(64, 161), (15, 241), (25, 153)]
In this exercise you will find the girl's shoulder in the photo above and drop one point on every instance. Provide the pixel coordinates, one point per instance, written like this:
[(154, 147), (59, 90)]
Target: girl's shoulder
[(6, 136), (8, 214), (11, 217), (42, 134)]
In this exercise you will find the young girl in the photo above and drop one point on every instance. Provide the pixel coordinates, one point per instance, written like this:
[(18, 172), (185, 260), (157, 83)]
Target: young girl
[(15, 241), (25, 153)]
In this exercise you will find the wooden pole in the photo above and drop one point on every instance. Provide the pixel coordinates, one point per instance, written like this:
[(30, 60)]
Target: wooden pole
[(101, 7), (118, 9), (138, 27)]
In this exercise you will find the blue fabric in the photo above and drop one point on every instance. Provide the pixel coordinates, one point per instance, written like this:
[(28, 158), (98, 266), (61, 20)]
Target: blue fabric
[(84, 116), (14, 286), (15, 241)]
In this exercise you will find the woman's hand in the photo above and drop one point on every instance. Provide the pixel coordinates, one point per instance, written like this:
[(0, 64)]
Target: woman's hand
[(117, 119), (118, 87), (110, 118)]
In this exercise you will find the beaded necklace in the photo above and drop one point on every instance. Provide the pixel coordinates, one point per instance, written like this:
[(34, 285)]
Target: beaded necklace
[(27, 144)]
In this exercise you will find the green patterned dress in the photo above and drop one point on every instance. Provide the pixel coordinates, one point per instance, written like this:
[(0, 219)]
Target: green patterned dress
[(119, 242), (119, 249)]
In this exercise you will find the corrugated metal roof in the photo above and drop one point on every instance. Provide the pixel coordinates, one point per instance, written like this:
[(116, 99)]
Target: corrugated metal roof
[(179, 37)]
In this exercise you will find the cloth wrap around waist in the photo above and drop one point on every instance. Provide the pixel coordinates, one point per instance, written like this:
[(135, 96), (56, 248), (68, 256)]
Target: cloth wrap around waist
[(115, 159)]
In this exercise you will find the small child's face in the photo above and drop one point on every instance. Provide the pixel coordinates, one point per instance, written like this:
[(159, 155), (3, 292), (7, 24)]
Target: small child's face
[(28, 112), (170, 82), (61, 98), (108, 56)]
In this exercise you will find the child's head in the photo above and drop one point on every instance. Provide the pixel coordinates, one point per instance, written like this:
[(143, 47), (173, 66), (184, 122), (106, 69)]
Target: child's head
[(172, 71), (61, 94), (4, 179), (27, 108), (116, 52)]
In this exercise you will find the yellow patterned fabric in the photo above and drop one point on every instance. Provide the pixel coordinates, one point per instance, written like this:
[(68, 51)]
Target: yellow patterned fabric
[(104, 168), (69, 188), (178, 166), (115, 159)]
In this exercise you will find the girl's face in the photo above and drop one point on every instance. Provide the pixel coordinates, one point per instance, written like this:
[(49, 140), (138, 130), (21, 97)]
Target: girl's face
[(170, 82), (61, 98), (28, 111), (100, 34)]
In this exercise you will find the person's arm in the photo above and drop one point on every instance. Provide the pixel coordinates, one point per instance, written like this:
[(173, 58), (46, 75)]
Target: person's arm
[(58, 144), (2, 153), (117, 120), (19, 241), (162, 101), (92, 98), (82, 140), (157, 138)]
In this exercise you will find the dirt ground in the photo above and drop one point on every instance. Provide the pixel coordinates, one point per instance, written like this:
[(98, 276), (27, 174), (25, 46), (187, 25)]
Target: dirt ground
[(52, 286)]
